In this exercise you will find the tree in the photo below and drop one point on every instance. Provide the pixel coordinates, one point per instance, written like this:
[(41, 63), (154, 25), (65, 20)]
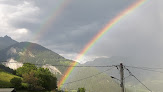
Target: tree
[(37, 78), (46, 79), (26, 68), (32, 80), (81, 90), (16, 82)]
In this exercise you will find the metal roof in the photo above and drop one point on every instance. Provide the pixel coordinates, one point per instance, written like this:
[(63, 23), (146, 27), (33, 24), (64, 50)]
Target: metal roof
[(6, 89)]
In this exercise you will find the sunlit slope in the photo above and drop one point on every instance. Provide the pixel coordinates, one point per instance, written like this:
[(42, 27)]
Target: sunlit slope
[(5, 79), (95, 83)]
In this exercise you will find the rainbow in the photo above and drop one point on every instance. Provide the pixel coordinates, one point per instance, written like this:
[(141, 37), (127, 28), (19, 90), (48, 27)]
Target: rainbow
[(105, 29), (50, 19), (47, 23)]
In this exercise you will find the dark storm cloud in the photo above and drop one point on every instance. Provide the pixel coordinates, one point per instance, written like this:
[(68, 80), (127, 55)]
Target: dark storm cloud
[(79, 22), (74, 26)]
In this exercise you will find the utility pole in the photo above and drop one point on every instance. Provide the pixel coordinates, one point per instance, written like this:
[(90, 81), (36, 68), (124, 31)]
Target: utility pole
[(122, 77)]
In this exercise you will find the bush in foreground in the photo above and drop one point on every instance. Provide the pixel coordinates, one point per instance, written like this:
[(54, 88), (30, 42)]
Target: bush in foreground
[(37, 78), (16, 82)]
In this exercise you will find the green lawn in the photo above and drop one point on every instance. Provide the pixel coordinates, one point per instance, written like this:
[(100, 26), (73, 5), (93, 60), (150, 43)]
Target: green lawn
[(5, 79)]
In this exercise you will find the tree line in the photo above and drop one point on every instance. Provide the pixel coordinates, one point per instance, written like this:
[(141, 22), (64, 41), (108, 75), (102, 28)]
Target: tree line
[(34, 78)]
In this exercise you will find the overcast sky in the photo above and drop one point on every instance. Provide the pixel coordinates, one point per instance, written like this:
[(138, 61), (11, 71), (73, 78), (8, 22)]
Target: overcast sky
[(66, 26)]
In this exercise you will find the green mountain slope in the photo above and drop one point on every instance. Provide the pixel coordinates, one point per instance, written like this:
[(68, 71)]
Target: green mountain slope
[(91, 80), (33, 53), (6, 41), (5, 79)]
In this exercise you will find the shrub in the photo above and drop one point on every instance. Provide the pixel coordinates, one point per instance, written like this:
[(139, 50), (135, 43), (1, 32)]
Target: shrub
[(81, 90), (16, 82)]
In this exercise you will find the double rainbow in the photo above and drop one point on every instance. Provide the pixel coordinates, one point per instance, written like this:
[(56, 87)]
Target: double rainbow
[(47, 23), (105, 29), (51, 19)]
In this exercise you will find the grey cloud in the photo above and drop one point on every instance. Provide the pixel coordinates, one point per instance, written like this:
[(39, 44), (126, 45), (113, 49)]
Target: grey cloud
[(67, 28), (72, 40), (139, 33), (138, 36), (13, 12)]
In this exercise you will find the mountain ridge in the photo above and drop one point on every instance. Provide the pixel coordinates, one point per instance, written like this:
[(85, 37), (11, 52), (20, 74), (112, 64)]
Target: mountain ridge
[(26, 49), (28, 52), (6, 41)]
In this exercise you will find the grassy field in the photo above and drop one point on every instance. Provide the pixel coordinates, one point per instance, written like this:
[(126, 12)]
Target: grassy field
[(5, 79)]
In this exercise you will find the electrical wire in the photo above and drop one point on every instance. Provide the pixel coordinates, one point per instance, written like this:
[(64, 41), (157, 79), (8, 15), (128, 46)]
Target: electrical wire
[(88, 76), (66, 65), (137, 79), (127, 77), (158, 68), (146, 69), (77, 66), (125, 81)]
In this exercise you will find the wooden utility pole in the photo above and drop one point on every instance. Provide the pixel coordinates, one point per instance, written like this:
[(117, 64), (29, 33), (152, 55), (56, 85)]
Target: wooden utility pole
[(122, 77)]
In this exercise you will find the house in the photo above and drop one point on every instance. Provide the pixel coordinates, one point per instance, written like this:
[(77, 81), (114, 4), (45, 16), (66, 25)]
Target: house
[(7, 90)]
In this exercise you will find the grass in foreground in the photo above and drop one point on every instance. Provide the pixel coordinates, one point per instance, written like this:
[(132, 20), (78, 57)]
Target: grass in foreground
[(5, 79)]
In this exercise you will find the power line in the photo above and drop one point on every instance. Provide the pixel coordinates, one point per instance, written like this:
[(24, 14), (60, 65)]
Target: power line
[(146, 69), (75, 66), (137, 79), (127, 77), (88, 76), (141, 82), (66, 65)]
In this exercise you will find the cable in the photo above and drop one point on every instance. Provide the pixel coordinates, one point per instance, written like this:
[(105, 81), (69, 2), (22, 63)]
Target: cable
[(88, 76), (137, 79), (153, 70), (141, 82), (68, 65), (75, 66), (125, 81), (127, 77), (147, 69)]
